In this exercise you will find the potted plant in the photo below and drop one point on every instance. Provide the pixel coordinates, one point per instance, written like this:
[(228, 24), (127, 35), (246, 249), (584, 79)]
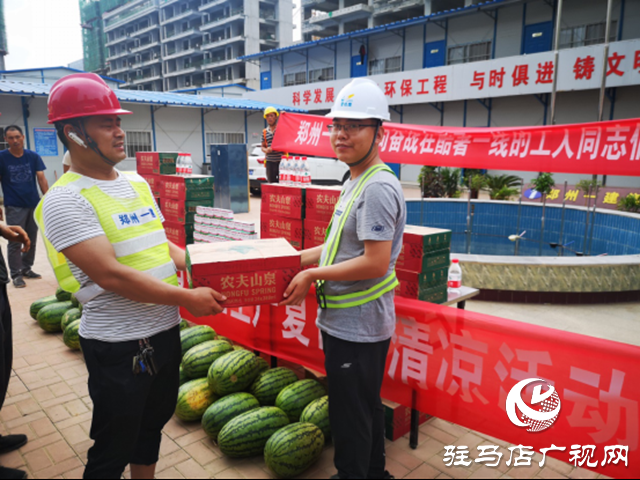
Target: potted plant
[(544, 183), (475, 181), (630, 203), (588, 187), (451, 181), (502, 187), (431, 184)]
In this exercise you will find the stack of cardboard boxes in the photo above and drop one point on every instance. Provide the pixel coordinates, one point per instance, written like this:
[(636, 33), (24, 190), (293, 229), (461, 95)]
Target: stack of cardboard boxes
[(300, 215), (218, 225), (178, 196), (423, 265)]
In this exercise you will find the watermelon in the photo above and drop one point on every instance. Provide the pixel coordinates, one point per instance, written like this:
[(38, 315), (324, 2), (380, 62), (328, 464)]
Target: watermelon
[(197, 360), (191, 337), (40, 304), (263, 365), (247, 434), (71, 335), (183, 376), (75, 301), (183, 324), (293, 449), (239, 347), (226, 409), (69, 317), (194, 398), (63, 295), (317, 412), (224, 339), (233, 372), (269, 384), (50, 317), (294, 398)]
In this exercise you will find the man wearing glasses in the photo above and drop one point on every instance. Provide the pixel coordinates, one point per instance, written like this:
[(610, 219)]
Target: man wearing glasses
[(356, 280)]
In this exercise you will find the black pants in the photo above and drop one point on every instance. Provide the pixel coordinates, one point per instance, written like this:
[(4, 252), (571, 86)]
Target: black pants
[(6, 342), (273, 171), (129, 411), (355, 372)]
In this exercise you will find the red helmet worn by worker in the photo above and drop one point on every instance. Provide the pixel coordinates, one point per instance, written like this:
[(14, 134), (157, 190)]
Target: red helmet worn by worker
[(79, 96), (82, 95)]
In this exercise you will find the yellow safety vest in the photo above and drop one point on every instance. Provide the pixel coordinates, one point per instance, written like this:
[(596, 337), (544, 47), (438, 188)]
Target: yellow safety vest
[(131, 225), (331, 247)]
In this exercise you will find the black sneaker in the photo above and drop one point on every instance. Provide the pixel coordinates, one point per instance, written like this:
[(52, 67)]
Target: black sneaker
[(12, 473), (9, 443), (31, 275), (18, 282)]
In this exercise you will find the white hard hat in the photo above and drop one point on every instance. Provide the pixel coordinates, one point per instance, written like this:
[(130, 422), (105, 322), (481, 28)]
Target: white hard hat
[(360, 99)]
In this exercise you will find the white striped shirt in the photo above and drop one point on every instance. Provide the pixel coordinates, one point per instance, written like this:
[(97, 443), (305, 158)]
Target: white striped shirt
[(70, 219)]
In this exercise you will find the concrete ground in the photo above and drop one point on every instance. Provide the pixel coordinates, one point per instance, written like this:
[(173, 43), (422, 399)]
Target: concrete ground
[(48, 400)]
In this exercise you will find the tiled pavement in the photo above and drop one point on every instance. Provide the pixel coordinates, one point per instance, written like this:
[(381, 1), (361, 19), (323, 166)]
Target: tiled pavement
[(48, 401)]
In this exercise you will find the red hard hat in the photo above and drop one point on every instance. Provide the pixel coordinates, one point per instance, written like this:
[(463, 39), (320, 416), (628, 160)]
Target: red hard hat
[(82, 95)]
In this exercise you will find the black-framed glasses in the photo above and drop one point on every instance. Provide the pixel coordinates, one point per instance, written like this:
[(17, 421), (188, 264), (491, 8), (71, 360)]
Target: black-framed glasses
[(348, 129)]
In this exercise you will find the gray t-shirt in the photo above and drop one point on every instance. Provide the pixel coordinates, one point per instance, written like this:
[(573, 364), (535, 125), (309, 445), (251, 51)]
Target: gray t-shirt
[(380, 215)]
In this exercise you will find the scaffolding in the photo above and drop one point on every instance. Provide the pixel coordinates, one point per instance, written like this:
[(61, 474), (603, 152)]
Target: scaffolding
[(94, 39)]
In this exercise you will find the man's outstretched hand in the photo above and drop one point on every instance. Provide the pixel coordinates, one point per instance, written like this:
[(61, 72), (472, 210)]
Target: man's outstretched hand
[(17, 235)]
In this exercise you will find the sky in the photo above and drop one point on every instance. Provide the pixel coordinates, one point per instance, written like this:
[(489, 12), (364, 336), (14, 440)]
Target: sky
[(46, 33), (42, 33)]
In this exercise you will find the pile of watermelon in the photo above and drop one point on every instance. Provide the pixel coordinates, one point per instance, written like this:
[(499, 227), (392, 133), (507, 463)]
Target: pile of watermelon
[(248, 409), (59, 313)]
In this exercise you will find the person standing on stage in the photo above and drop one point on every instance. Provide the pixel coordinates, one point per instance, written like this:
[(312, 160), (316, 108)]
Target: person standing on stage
[(355, 281)]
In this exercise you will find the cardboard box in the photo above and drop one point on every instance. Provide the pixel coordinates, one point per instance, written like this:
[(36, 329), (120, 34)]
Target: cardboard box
[(181, 211), (273, 226), (181, 235), (314, 232), (432, 278), (254, 272), (419, 243), (411, 260), (320, 203), (190, 187), (154, 183), (412, 290), (156, 163), (398, 420), (283, 201)]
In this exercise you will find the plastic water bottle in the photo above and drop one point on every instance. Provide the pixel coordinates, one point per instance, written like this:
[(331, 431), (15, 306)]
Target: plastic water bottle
[(180, 165), (188, 169), (296, 172), (306, 174), (283, 175), (455, 277)]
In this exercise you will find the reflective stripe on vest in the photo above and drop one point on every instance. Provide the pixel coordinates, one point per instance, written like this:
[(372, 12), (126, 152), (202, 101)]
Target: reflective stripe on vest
[(131, 225), (355, 299)]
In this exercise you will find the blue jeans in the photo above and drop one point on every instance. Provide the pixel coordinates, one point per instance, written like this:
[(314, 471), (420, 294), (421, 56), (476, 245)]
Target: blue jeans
[(20, 263)]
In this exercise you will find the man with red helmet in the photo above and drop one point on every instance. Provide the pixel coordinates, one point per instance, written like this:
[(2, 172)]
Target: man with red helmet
[(105, 240)]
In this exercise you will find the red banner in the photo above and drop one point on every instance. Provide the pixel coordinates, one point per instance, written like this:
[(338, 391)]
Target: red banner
[(462, 365), (603, 148)]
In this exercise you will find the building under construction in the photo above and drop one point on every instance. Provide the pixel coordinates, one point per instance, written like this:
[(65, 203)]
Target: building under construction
[(93, 36), (4, 49)]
